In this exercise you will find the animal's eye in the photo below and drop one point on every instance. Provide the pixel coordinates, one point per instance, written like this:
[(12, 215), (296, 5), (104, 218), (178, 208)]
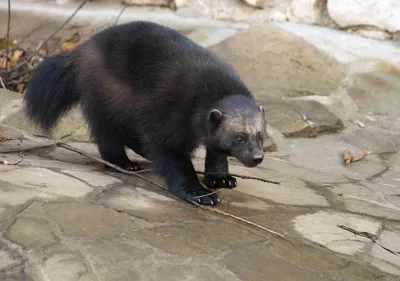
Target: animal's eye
[(241, 137)]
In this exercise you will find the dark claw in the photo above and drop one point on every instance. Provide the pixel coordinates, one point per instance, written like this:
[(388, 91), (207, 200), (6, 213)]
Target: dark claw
[(214, 182), (209, 200), (132, 167)]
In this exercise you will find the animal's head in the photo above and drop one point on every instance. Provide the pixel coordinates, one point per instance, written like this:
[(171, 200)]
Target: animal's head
[(238, 128)]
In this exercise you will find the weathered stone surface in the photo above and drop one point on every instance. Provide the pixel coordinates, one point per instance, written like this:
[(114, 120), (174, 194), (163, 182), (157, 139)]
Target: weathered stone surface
[(377, 140), (325, 154), (307, 11), (276, 63), (72, 125), (396, 36), (147, 204), (322, 228), (376, 91), (93, 178), (390, 240), (120, 272), (285, 169), (255, 3), (47, 181), (344, 47), (288, 192), (10, 102), (147, 2), (240, 203), (302, 119), (18, 145), (11, 195), (7, 262), (117, 250), (257, 263), (206, 237), (31, 233), (90, 220), (382, 14), (372, 33), (66, 267), (368, 198), (326, 264)]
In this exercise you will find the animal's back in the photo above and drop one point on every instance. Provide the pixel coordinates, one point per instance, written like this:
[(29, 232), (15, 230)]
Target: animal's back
[(152, 74)]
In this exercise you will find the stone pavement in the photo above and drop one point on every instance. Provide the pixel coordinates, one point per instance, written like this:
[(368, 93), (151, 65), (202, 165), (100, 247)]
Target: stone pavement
[(64, 218)]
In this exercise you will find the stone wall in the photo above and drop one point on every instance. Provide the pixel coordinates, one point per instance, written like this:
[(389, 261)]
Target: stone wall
[(379, 19)]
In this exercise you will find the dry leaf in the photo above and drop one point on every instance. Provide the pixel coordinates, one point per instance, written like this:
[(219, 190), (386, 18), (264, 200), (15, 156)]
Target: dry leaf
[(3, 43), (16, 55), (349, 159), (3, 139), (347, 156), (359, 123), (71, 42), (3, 63), (21, 88)]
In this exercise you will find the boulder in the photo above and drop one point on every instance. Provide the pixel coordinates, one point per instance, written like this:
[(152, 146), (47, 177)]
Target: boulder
[(307, 11), (382, 14)]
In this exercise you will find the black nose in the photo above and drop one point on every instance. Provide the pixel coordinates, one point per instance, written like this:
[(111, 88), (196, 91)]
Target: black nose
[(257, 159)]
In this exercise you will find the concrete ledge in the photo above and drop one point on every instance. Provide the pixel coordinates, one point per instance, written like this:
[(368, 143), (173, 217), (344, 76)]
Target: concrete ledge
[(98, 13)]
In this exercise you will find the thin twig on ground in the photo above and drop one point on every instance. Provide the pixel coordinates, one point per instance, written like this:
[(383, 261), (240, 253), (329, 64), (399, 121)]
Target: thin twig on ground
[(5, 162), (2, 83), (369, 236), (51, 36), (66, 146), (119, 15), (4, 139), (221, 175), (214, 210), (240, 176), (7, 43)]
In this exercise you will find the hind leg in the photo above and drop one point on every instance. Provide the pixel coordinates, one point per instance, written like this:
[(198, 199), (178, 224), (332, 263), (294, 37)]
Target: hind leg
[(115, 154), (111, 146), (134, 143)]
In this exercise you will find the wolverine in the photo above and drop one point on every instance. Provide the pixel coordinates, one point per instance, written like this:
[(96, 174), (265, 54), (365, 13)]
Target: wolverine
[(148, 88)]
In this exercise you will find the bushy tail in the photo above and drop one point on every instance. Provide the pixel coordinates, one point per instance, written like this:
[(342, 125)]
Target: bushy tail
[(52, 91)]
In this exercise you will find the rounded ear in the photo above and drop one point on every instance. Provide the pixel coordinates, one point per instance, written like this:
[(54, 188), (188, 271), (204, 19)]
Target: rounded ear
[(261, 108), (215, 116)]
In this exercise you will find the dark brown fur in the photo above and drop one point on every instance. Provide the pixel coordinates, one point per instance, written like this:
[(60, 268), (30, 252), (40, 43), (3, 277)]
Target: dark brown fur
[(147, 87)]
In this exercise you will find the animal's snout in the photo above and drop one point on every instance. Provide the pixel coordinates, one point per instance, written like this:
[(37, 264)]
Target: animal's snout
[(257, 159)]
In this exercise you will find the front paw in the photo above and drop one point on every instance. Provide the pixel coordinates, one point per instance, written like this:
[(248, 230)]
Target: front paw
[(130, 166), (214, 182), (198, 195), (203, 197)]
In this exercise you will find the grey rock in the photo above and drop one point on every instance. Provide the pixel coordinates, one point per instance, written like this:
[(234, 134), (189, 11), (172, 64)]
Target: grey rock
[(291, 192), (205, 237), (276, 63), (32, 233), (302, 119), (147, 204), (382, 258), (322, 228), (45, 180), (325, 154), (376, 91), (66, 267), (90, 220), (256, 262)]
